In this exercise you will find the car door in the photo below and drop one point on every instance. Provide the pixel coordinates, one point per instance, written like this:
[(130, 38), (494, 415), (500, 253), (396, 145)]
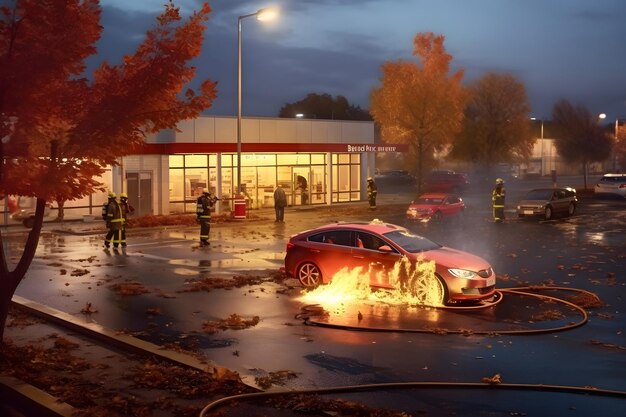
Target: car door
[(368, 255), (331, 250), (450, 206)]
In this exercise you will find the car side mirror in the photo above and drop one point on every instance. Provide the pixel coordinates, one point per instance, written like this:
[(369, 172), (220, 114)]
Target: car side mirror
[(385, 248)]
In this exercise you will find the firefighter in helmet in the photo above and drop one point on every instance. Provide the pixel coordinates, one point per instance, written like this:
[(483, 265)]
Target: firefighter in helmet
[(127, 210), (372, 190), (112, 214), (203, 213), (497, 200)]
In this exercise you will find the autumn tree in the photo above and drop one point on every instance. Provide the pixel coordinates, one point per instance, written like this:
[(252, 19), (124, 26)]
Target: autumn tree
[(578, 136), (496, 127), (421, 105), (324, 106), (61, 129)]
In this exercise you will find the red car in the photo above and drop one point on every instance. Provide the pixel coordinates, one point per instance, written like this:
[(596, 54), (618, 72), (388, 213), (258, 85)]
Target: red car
[(315, 256), (435, 207), (446, 182)]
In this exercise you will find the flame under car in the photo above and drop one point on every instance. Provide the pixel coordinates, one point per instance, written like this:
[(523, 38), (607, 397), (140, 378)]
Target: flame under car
[(315, 256)]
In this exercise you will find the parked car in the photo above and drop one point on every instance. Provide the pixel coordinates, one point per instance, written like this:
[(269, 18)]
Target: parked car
[(396, 177), (611, 184), (435, 207), (547, 202), (446, 182), (316, 255)]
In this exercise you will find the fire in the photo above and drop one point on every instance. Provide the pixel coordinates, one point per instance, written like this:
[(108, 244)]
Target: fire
[(411, 284)]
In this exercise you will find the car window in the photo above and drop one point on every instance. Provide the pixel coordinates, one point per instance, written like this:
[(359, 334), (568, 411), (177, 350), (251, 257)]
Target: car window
[(428, 201), (453, 200), (368, 241), (613, 179), (335, 237), (539, 195), (410, 242)]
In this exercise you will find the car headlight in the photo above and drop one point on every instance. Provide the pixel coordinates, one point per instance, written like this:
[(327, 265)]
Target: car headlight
[(462, 273)]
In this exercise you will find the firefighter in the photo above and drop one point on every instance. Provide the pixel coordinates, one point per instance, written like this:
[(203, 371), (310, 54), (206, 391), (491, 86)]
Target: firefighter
[(497, 201), (371, 192), (127, 210), (203, 212), (115, 221)]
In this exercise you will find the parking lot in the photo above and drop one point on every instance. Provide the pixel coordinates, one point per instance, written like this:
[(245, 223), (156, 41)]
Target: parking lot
[(585, 252)]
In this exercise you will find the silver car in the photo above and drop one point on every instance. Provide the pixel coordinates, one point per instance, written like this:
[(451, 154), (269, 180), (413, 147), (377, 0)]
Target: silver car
[(612, 184), (546, 202)]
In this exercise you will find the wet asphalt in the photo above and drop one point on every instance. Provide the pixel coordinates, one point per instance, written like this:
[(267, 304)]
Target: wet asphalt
[(586, 251)]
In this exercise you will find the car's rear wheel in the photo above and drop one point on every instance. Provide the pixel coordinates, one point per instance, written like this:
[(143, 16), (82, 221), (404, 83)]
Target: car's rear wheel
[(571, 209), (309, 275), (29, 222), (548, 213)]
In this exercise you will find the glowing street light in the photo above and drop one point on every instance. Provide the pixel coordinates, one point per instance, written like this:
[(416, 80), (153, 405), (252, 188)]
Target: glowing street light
[(262, 15)]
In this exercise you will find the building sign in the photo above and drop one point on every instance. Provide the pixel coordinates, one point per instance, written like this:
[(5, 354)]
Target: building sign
[(377, 148)]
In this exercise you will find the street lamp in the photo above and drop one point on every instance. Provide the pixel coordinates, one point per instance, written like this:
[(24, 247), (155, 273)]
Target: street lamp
[(262, 15), (534, 119)]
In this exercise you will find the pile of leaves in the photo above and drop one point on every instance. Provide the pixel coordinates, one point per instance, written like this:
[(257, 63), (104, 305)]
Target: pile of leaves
[(129, 288), (234, 322)]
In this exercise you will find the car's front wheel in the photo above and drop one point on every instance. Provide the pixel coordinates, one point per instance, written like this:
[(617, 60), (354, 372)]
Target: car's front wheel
[(571, 209), (309, 275), (548, 213), (431, 292)]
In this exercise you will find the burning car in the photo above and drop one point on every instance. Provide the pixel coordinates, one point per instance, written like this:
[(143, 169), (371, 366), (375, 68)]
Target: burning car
[(386, 253), (435, 207)]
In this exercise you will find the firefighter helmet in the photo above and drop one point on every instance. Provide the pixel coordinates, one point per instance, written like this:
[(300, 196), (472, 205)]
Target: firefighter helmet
[(123, 195), (112, 194), (499, 181), (370, 179)]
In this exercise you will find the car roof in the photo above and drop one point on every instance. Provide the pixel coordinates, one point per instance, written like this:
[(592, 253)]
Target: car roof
[(433, 195), (375, 226), (554, 189), (614, 175)]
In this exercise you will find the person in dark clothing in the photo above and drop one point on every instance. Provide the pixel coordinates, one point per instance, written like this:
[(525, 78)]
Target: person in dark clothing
[(280, 202), (372, 190), (127, 210), (112, 214), (497, 200), (203, 212)]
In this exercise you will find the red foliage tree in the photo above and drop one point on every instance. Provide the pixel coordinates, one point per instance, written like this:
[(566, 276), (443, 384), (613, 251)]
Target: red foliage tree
[(60, 129)]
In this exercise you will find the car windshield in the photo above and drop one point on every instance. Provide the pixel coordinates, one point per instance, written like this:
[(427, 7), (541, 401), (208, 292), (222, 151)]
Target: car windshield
[(428, 201), (410, 242), (613, 179), (539, 195)]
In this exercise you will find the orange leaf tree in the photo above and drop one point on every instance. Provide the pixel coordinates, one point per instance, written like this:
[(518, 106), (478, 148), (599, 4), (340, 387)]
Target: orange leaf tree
[(421, 105), (59, 129)]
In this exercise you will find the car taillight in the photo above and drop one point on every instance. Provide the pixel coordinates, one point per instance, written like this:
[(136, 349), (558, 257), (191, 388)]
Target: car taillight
[(289, 246), (622, 186)]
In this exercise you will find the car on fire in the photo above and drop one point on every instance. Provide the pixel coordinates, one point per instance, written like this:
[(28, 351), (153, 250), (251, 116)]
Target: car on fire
[(435, 207), (315, 256), (548, 202)]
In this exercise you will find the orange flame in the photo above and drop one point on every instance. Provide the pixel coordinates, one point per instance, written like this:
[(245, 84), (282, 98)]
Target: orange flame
[(411, 284)]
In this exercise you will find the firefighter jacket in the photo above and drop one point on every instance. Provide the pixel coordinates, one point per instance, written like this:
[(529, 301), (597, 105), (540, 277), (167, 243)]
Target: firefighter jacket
[(372, 190), (497, 196), (203, 207), (127, 209), (114, 215)]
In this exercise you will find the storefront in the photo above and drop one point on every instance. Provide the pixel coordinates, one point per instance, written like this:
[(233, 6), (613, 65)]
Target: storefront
[(319, 162), (315, 161)]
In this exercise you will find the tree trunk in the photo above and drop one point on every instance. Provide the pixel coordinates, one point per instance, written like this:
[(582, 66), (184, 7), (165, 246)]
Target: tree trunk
[(420, 163), (9, 280), (585, 175), (61, 212)]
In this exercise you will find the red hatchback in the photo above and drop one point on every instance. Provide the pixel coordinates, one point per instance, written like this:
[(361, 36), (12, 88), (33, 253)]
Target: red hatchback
[(435, 207), (315, 256)]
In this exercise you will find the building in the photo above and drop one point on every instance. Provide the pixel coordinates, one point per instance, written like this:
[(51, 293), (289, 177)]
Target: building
[(319, 162)]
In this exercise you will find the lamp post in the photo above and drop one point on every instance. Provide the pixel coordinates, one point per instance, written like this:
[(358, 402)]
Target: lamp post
[(534, 119), (262, 15)]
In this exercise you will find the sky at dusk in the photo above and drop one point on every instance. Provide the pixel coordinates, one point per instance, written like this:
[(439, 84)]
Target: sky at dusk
[(572, 49)]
